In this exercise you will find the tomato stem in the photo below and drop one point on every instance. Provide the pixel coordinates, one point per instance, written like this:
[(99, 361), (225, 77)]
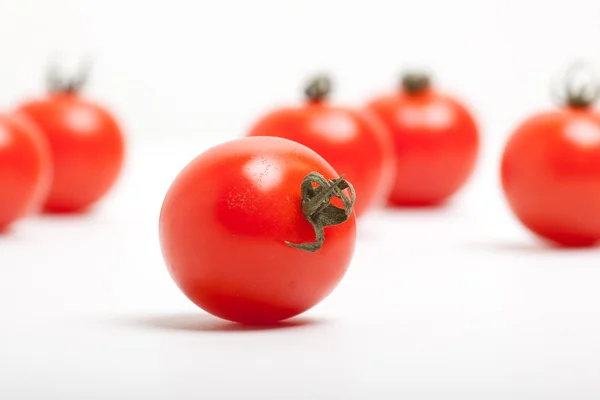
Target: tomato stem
[(415, 82), (573, 92), (56, 82), (318, 88), (317, 207)]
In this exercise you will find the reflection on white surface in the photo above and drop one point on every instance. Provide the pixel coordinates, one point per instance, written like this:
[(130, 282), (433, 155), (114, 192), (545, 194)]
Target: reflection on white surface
[(339, 126), (435, 114), (584, 133), (265, 172), (82, 119)]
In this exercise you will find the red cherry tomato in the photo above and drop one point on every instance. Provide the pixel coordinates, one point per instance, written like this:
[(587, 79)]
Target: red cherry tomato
[(355, 144), (551, 173), (231, 219), (435, 138), (25, 169), (86, 143)]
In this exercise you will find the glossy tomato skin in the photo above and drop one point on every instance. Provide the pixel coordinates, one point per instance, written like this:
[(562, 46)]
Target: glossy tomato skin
[(25, 169), (353, 142), (224, 224), (87, 149), (551, 175), (436, 141)]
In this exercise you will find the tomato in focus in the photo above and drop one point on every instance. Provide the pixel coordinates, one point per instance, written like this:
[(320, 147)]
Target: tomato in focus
[(436, 141), (25, 169), (551, 172), (240, 228), (352, 141), (86, 143)]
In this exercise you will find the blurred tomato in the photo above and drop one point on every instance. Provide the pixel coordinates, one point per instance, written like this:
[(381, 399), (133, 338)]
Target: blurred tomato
[(435, 139), (353, 142), (551, 171), (257, 230), (25, 169), (86, 143)]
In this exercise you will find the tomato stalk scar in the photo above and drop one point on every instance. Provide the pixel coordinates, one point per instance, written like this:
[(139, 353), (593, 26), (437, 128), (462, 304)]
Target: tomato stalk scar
[(317, 207)]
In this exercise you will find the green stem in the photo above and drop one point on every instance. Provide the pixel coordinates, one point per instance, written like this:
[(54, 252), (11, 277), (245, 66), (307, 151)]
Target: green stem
[(415, 82)]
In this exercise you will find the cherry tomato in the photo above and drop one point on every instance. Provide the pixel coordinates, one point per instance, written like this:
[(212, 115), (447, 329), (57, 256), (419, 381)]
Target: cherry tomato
[(435, 138), (25, 168), (86, 143), (250, 231), (353, 142), (551, 172)]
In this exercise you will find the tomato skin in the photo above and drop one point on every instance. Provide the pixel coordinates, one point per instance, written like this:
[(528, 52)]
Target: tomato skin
[(353, 142), (25, 169), (551, 175), (87, 149), (436, 141), (223, 227)]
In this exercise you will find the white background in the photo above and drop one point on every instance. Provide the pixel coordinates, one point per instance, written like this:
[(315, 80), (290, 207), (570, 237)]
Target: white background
[(454, 303)]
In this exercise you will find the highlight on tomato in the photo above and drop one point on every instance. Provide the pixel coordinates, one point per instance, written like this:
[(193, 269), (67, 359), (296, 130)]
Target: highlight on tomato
[(86, 143), (258, 230), (551, 165), (352, 141), (25, 169), (435, 137)]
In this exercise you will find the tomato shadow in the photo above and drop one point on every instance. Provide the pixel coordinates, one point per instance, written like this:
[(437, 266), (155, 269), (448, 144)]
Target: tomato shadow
[(72, 214), (525, 247), (369, 226), (446, 208), (208, 323), (426, 207), (418, 208), (84, 216)]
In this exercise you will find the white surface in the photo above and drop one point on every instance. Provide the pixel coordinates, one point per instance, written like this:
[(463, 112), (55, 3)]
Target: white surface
[(205, 70), (455, 303), (205, 67)]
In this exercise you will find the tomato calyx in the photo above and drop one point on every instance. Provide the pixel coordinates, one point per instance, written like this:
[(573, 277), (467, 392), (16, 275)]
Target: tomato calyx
[(317, 207), (415, 82), (318, 88), (579, 87), (57, 82)]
